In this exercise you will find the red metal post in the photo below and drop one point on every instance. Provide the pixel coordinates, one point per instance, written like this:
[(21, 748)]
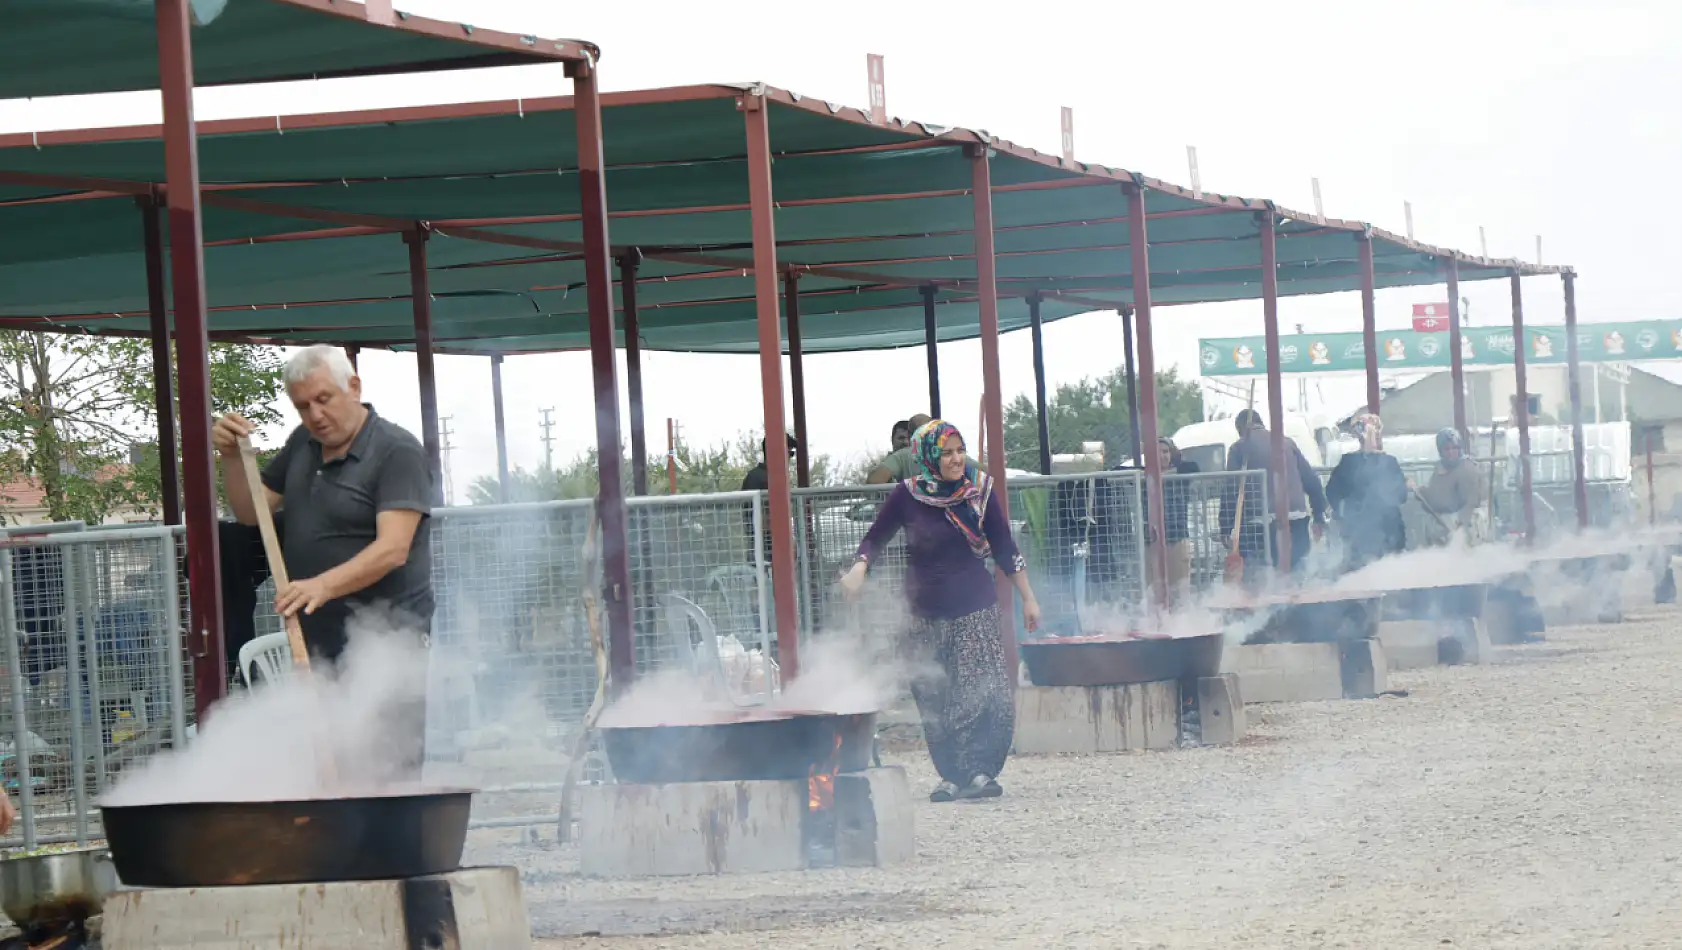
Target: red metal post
[(1043, 423), (1456, 366), (163, 381), (1147, 417), (992, 400), (1579, 484), (1130, 366), (192, 342), (501, 429), (779, 519), (1369, 319), (1521, 413), (420, 297), (931, 343), (1275, 390), (598, 278), (797, 379), (628, 264)]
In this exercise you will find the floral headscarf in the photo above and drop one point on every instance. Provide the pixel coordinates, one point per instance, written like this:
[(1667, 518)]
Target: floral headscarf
[(964, 500)]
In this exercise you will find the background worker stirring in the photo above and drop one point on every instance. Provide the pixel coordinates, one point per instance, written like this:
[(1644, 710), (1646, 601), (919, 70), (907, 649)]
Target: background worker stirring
[(354, 493)]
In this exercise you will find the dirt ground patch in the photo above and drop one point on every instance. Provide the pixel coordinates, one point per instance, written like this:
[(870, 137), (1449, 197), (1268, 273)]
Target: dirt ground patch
[(1527, 803)]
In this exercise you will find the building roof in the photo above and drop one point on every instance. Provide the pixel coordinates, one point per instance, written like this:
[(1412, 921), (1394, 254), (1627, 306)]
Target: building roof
[(71, 47), (302, 216)]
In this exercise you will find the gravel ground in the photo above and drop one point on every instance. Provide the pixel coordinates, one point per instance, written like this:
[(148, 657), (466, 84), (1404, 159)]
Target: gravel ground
[(1530, 803)]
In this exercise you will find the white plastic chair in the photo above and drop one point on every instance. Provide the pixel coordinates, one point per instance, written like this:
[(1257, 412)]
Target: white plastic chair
[(696, 641), (270, 653)]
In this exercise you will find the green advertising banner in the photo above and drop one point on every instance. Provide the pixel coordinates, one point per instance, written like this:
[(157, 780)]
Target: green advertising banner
[(1411, 349)]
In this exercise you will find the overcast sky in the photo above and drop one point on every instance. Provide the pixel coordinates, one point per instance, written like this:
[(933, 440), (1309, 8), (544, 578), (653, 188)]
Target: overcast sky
[(1543, 117)]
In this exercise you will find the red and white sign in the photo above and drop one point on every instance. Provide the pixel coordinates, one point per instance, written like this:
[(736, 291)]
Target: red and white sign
[(1430, 317)]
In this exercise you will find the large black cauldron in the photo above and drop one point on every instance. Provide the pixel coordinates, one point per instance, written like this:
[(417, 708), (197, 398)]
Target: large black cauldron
[(765, 746), (217, 844)]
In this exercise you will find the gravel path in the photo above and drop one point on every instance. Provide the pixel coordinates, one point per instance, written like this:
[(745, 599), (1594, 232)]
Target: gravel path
[(1531, 803)]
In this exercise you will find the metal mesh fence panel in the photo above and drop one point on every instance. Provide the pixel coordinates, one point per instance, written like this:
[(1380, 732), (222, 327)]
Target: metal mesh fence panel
[(93, 684)]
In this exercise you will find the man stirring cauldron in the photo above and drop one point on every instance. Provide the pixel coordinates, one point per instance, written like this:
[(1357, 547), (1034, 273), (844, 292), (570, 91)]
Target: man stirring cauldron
[(354, 493)]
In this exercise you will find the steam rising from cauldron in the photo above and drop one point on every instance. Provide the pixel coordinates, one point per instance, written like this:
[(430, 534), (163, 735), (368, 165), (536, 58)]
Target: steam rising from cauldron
[(263, 745)]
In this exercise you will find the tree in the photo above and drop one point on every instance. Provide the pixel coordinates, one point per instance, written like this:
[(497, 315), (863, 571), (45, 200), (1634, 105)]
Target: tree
[(703, 469), (78, 418), (1095, 410)]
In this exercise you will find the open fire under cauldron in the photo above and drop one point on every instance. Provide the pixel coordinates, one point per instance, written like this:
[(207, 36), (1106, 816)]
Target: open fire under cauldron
[(1120, 660), (217, 844)]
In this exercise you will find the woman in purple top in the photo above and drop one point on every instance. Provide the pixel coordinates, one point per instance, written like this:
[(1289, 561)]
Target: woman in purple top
[(959, 678)]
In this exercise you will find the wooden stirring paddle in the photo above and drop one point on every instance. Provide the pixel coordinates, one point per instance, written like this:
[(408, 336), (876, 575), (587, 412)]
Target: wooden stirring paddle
[(277, 569)]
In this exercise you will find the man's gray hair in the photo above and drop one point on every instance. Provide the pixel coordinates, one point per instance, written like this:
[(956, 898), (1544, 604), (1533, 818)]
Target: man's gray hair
[(308, 360)]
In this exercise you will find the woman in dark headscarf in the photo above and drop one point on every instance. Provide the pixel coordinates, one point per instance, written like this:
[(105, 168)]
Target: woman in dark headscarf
[(953, 524), (1367, 491)]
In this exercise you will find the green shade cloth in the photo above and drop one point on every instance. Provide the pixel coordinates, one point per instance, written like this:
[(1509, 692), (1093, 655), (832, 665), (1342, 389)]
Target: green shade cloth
[(1627, 341), (866, 214), (72, 47)]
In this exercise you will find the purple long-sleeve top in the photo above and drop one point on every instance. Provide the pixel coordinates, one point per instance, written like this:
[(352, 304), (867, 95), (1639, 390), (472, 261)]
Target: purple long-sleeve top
[(945, 579)]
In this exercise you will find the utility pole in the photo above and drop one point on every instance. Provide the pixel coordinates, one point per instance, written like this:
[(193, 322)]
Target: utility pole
[(671, 456), (444, 450), (548, 440)]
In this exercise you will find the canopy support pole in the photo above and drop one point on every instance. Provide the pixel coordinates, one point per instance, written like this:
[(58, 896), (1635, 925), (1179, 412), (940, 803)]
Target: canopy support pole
[(501, 430), (1157, 549), (780, 504), (1369, 320), (931, 343), (163, 381), (628, 264), (797, 378), (192, 341), (1521, 413), (1042, 423), (992, 401), (604, 372), (420, 296), (1579, 484), (353, 353), (1456, 352), (1129, 364), (1280, 476)]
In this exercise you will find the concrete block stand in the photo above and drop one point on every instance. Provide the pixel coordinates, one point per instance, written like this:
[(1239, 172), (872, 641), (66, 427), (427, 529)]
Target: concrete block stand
[(743, 827), (1053, 720), (470, 909), (1308, 672), (1220, 710)]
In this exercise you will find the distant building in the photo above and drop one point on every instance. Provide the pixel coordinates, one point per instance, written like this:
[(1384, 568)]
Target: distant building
[(24, 503), (1651, 404)]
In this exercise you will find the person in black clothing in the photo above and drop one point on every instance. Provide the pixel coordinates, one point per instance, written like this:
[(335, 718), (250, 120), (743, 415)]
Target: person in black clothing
[(1366, 492), (1305, 494), (1176, 528), (759, 479)]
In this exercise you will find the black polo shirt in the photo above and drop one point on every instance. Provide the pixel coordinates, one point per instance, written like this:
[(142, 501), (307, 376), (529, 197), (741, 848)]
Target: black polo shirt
[(328, 513)]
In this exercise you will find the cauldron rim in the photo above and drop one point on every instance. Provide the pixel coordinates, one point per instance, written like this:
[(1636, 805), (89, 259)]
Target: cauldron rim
[(440, 792)]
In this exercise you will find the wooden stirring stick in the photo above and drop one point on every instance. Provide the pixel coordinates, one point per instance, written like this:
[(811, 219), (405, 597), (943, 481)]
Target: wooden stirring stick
[(277, 570)]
